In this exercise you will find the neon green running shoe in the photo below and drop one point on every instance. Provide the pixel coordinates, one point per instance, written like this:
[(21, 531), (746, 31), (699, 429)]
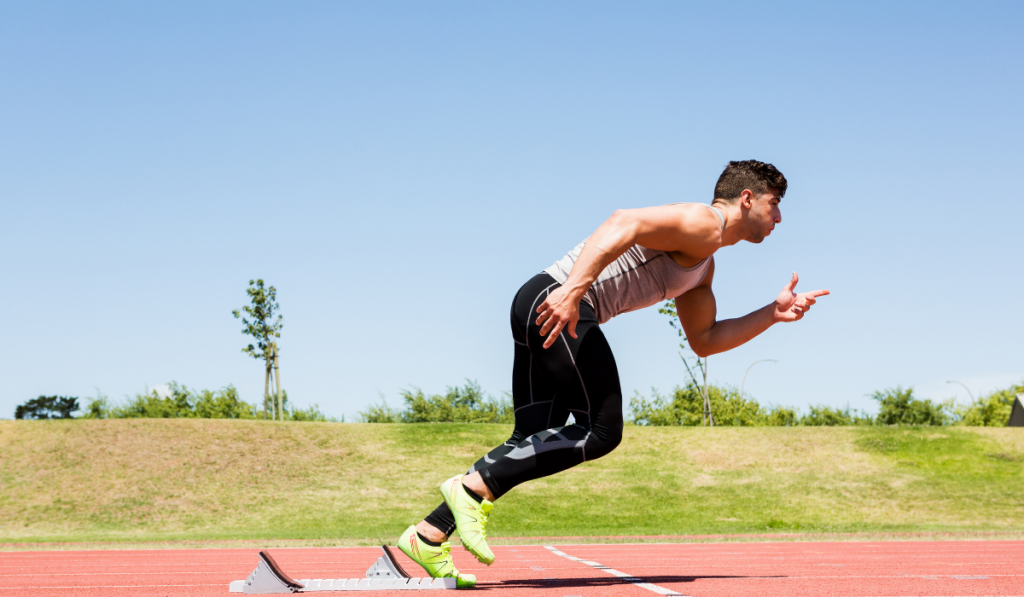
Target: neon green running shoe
[(437, 561), (470, 518)]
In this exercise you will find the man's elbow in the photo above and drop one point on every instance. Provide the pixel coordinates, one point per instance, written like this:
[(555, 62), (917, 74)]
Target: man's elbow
[(630, 220), (700, 348), (703, 354), (620, 218)]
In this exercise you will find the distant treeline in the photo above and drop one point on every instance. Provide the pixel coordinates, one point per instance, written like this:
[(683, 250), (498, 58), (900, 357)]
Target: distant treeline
[(469, 404), (897, 406), (180, 402)]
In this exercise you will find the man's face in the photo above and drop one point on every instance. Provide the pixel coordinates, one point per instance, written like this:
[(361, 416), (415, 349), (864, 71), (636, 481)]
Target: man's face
[(764, 215)]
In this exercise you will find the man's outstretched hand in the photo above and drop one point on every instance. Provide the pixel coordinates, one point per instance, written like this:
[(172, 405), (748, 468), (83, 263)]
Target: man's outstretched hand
[(791, 306), (559, 310)]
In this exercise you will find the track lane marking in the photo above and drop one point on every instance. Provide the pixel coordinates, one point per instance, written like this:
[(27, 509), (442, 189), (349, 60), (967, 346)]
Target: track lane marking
[(639, 582), (73, 587)]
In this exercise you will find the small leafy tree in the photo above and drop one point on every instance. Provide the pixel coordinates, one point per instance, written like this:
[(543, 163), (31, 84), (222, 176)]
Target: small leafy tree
[(47, 407), (669, 309), (263, 328)]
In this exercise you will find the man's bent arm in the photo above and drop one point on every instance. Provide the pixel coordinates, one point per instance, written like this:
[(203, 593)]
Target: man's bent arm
[(697, 313), (708, 338)]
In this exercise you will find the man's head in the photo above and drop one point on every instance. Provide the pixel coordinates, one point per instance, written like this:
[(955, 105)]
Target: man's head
[(755, 188), (750, 175)]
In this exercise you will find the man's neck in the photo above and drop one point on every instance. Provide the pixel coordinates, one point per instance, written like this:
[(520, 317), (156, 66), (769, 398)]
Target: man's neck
[(732, 232)]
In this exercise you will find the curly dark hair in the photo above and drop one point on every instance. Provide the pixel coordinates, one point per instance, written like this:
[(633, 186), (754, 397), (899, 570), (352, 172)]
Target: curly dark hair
[(756, 176)]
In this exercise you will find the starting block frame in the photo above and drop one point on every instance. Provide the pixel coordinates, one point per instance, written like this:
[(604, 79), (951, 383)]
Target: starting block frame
[(386, 574)]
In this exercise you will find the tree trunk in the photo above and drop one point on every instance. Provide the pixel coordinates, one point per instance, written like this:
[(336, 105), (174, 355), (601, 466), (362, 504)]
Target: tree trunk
[(709, 417), (266, 390), (277, 379)]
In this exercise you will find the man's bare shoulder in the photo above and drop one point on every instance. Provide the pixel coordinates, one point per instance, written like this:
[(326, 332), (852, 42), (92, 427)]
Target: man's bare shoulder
[(695, 230), (691, 229), (699, 219)]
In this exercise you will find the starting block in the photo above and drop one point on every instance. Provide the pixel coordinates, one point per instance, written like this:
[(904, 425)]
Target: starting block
[(386, 574)]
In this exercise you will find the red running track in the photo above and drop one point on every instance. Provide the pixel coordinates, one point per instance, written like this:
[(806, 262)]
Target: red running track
[(884, 569)]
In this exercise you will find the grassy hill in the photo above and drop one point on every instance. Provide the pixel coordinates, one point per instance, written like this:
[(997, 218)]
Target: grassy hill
[(174, 479)]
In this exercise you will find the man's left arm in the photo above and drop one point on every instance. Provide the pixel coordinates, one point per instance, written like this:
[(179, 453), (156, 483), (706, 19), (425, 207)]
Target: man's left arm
[(706, 336)]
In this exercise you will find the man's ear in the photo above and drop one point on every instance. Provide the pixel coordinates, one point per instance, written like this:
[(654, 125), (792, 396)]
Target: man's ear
[(747, 199)]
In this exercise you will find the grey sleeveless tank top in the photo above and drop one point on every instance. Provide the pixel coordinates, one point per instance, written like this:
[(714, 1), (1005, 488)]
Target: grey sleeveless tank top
[(639, 278)]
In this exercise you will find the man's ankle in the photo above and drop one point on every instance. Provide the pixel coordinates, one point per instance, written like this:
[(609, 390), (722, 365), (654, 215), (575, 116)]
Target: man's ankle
[(476, 483), (431, 532)]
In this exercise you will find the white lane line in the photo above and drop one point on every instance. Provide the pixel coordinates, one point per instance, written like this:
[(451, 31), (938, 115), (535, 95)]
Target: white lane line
[(639, 582), (107, 587), (870, 577)]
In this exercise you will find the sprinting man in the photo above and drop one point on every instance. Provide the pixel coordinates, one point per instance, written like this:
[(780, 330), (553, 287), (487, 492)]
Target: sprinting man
[(563, 364)]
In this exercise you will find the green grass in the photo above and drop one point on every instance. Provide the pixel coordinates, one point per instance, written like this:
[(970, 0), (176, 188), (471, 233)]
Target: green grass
[(148, 480)]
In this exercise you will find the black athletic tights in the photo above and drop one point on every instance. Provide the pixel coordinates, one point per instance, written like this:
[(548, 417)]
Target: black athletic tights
[(574, 375)]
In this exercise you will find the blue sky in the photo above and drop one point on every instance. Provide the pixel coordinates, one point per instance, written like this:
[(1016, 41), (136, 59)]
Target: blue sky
[(398, 169)]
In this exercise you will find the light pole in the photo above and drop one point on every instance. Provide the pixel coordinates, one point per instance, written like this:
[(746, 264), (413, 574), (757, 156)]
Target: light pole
[(965, 387), (748, 371)]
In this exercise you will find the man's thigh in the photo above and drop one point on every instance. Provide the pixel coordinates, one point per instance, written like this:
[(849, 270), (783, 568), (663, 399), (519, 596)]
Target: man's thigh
[(560, 367), (537, 404)]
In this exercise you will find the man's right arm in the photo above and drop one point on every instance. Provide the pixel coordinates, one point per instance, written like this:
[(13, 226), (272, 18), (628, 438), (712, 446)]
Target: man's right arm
[(690, 229), (707, 335)]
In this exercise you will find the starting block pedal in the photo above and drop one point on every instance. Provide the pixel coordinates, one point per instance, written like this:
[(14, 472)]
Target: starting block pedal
[(386, 574)]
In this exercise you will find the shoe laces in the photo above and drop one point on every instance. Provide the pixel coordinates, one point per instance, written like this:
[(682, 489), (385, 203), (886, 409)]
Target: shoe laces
[(446, 554), (482, 516)]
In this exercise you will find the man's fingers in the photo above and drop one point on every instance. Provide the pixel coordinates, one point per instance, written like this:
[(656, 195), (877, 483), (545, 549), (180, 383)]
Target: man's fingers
[(792, 282), (547, 326), (554, 335), (552, 328), (818, 293)]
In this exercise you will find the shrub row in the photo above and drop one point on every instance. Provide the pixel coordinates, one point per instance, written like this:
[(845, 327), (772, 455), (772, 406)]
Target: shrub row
[(467, 404), (181, 402), (897, 406)]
